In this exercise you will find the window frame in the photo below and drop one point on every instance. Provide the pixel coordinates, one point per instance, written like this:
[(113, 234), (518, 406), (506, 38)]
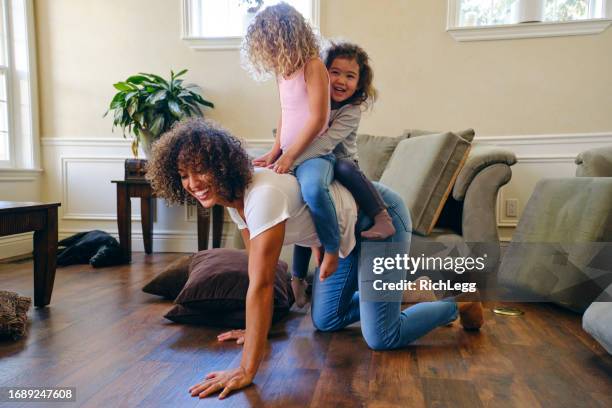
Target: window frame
[(8, 75), (229, 42), (525, 30), (24, 151)]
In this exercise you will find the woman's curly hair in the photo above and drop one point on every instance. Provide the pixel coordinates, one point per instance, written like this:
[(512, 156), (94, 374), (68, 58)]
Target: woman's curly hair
[(365, 93), (203, 147), (279, 42)]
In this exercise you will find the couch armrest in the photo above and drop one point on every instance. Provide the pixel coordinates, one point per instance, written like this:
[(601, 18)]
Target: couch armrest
[(595, 163), (480, 157), (479, 222)]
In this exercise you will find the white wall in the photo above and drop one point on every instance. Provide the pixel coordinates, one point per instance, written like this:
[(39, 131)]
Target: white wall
[(426, 79)]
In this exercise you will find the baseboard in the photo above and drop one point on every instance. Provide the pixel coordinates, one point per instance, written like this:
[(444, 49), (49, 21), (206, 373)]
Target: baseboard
[(14, 246), (20, 246)]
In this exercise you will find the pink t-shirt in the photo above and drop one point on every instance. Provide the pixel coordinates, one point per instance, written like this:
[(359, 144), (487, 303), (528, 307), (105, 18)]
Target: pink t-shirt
[(294, 108)]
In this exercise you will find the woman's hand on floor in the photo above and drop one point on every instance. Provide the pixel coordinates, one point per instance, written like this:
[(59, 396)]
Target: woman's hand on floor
[(237, 335), (224, 381)]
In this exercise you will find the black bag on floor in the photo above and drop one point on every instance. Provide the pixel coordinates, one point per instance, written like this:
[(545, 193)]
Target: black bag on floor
[(96, 247)]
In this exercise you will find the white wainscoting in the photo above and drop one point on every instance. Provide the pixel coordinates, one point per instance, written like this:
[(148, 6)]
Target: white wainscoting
[(86, 188), (78, 172)]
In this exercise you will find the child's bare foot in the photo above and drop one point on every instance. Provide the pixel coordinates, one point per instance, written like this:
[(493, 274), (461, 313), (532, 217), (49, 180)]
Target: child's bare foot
[(328, 265), (383, 227), (299, 287), (317, 252)]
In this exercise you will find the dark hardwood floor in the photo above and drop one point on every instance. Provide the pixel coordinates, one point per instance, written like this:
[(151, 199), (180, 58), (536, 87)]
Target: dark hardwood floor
[(108, 339)]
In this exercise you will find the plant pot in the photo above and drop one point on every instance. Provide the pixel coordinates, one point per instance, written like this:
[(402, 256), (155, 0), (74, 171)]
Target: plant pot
[(146, 140)]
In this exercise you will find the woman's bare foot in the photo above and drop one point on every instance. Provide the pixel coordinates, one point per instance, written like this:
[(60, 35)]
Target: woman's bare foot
[(418, 295), (470, 315), (383, 227), (328, 265), (299, 287)]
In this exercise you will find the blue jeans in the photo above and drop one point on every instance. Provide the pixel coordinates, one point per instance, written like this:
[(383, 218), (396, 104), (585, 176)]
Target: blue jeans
[(314, 176), (384, 325)]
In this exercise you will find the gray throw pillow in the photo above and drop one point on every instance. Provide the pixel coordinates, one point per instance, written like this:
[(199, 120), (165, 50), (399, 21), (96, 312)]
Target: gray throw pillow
[(374, 153), (171, 280), (423, 170)]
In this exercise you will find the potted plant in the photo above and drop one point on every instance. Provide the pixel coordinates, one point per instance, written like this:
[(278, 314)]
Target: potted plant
[(147, 105)]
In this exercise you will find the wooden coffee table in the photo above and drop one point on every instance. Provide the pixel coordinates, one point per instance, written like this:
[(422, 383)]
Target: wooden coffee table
[(20, 217)]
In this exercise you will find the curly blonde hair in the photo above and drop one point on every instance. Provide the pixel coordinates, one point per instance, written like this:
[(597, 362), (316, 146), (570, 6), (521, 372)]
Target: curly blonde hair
[(204, 147), (279, 41)]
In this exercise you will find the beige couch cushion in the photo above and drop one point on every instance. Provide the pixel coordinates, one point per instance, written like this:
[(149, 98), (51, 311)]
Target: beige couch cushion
[(467, 134), (423, 170), (375, 152)]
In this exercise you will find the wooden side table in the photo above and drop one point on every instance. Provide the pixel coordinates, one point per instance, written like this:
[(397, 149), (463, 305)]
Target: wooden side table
[(20, 217), (142, 189)]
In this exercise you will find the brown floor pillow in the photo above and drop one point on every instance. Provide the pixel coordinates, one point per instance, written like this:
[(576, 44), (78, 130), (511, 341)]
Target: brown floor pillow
[(234, 319), (171, 280), (217, 287), (13, 314)]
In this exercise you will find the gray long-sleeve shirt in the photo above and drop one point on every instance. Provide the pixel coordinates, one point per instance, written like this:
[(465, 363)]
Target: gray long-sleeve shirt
[(339, 139)]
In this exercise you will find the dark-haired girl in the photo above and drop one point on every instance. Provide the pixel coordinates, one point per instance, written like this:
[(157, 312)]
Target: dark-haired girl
[(351, 90)]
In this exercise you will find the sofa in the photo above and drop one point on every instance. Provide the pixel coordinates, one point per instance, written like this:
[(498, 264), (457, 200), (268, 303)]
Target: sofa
[(597, 319), (466, 201), (561, 250)]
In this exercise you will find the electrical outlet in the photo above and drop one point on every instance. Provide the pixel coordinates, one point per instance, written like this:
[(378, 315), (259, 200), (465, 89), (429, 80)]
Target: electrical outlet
[(512, 208)]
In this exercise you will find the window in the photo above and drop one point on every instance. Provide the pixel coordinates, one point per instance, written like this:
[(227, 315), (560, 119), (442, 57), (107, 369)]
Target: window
[(566, 10), (16, 127), (221, 24), (502, 19), (493, 12)]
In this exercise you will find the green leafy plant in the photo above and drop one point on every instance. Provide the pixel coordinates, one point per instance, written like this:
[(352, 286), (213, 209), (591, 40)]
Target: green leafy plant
[(147, 105)]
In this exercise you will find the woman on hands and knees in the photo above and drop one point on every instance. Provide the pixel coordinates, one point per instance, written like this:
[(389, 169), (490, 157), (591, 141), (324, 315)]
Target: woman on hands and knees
[(201, 161)]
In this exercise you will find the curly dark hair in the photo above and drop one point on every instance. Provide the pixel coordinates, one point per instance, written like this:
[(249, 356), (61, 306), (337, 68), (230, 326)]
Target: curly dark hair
[(203, 147), (366, 93)]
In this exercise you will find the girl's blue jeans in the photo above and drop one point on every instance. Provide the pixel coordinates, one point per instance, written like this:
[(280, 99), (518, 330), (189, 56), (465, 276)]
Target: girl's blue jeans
[(315, 176), (336, 302)]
